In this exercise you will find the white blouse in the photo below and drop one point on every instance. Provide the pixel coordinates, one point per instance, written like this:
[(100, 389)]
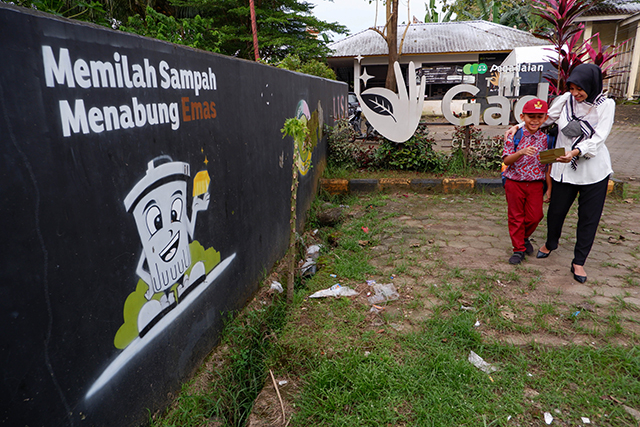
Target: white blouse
[(594, 162)]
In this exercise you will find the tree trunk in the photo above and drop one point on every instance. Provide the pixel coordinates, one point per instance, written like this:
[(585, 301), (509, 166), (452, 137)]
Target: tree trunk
[(392, 42), (254, 30), (292, 236)]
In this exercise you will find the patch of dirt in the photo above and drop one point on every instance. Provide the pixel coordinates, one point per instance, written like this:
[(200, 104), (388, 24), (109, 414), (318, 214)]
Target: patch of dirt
[(628, 114), (274, 404)]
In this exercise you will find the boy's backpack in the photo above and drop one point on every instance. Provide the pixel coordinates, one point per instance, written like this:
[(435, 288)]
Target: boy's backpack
[(551, 142)]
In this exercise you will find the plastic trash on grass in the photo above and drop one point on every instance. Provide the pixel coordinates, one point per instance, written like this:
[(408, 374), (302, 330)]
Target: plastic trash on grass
[(548, 418), (479, 363), (308, 268), (313, 252), (383, 293), (276, 286), (335, 291)]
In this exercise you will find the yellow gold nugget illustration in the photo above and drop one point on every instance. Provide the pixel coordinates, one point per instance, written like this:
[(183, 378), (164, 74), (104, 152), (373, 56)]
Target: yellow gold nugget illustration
[(201, 183)]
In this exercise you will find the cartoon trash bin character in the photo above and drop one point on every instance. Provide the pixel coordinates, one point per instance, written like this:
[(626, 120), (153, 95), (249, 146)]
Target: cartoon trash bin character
[(158, 204)]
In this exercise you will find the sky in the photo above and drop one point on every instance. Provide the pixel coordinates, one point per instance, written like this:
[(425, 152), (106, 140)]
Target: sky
[(358, 15)]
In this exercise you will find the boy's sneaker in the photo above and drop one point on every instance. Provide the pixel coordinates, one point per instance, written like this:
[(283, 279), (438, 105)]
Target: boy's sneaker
[(516, 258), (528, 247)]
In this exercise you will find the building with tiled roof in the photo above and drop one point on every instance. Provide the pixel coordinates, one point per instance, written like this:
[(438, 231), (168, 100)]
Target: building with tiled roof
[(443, 50)]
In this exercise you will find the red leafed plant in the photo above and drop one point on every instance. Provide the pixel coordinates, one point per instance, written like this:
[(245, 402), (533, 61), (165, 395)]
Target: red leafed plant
[(569, 55), (603, 55), (566, 36)]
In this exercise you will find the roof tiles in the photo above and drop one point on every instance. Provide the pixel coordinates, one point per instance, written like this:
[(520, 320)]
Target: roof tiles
[(613, 7), (442, 37)]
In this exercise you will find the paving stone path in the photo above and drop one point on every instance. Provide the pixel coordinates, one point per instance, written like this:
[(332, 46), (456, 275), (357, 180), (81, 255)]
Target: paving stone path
[(469, 233)]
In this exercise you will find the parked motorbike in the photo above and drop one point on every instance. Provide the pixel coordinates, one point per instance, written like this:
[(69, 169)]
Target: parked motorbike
[(356, 118)]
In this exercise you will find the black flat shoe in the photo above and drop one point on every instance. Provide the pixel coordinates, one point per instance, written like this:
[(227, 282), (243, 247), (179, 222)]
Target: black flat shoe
[(578, 278), (528, 247), (516, 258), (541, 254)]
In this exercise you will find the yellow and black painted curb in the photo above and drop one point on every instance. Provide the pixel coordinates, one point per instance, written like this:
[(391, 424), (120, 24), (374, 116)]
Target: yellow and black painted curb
[(427, 186)]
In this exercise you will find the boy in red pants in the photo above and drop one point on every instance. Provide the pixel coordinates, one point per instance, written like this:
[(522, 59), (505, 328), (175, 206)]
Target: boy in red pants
[(525, 178)]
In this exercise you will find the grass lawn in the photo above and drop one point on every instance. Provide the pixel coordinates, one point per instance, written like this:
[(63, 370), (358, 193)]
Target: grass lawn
[(343, 362)]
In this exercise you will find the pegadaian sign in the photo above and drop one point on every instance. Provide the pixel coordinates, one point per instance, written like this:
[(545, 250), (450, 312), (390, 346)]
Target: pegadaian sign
[(493, 116)]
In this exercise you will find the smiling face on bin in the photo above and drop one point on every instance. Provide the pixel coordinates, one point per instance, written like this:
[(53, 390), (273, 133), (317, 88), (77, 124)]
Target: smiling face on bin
[(160, 214)]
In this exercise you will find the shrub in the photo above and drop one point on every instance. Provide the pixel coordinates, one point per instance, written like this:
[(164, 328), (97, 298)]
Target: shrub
[(342, 150), (483, 153), (312, 67), (416, 154)]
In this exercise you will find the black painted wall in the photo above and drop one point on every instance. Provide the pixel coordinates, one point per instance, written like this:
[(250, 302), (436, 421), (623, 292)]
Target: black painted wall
[(71, 249)]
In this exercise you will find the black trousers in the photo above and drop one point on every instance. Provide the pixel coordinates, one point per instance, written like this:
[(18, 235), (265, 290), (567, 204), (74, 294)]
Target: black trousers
[(591, 199)]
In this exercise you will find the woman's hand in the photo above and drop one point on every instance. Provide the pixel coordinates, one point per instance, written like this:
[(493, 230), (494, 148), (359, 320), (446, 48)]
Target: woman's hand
[(547, 196), (568, 156), (510, 132)]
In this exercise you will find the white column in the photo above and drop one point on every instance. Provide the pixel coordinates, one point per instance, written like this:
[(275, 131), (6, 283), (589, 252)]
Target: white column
[(635, 61), (588, 30)]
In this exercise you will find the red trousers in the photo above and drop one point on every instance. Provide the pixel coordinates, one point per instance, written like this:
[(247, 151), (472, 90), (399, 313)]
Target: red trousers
[(524, 208)]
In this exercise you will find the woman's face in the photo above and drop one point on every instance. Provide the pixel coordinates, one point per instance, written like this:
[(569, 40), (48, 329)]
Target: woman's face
[(577, 92)]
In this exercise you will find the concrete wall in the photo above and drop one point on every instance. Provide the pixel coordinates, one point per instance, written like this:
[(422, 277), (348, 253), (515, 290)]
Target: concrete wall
[(145, 189)]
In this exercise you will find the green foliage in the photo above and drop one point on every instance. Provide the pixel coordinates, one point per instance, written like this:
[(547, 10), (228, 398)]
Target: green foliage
[(283, 27), (313, 67), (488, 11), (343, 150), (483, 153), (523, 18), (295, 128), (92, 11), (512, 13), (408, 363), (235, 382), (195, 32), (432, 14), (416, 154)]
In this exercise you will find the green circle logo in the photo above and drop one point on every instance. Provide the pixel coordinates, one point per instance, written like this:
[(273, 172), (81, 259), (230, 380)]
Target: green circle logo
[(475, 68)]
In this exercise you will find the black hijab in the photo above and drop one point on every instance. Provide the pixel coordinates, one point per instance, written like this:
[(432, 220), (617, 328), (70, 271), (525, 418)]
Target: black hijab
[(589, 78)]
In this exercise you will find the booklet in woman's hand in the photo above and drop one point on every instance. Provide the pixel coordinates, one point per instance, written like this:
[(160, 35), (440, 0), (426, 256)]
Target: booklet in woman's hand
[(550, 156)]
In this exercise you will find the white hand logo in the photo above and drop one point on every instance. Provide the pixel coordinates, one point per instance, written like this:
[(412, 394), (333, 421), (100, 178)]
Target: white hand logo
[(394, 116)]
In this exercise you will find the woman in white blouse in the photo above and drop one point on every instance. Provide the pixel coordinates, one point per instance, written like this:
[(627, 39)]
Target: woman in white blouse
[(584, 116)]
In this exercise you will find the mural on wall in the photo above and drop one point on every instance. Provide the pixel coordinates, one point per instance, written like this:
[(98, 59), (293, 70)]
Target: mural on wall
[(394, 116), (315, 123), (173, 269), (146, 204)]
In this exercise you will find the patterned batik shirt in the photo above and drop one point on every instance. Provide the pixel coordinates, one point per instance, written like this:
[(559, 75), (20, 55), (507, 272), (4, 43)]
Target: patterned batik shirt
[(526, 168)]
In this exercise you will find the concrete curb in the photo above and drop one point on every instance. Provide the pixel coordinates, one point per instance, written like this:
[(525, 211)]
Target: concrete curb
[(430, 186)]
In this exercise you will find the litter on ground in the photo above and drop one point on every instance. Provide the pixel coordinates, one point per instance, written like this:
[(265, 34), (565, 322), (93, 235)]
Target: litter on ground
[(383, 293), (276, 286), (479, 363), (335, 291)]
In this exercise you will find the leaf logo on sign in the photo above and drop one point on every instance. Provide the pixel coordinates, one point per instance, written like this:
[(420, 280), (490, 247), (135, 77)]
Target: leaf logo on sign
[(394, 115), (379, 105)]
